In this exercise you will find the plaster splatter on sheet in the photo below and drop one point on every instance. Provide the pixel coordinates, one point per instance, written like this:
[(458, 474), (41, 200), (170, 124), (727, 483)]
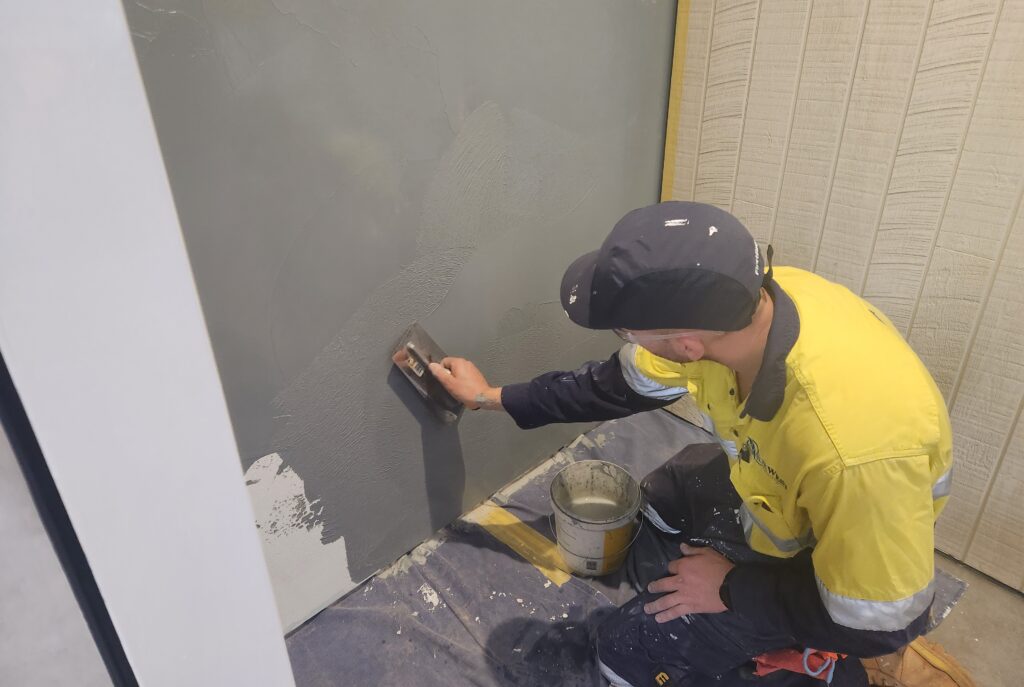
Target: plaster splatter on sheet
[(430, 597)]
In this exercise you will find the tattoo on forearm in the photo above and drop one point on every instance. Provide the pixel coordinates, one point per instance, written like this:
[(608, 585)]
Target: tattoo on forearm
[(486, 403)]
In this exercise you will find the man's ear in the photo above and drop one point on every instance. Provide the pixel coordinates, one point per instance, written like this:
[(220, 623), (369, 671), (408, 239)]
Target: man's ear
[(689, 347)]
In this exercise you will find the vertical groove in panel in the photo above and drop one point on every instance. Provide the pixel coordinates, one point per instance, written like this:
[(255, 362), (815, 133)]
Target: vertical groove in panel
[(891, 45), (984, 414), (728, 74), (957, 42), (842, 134), (781, 33), (999, 550), (895, 150), (967, 323), (693, 87), (832, 45), (792, 119), (956, 169), (746, 105), (962, 367), (703, 99)]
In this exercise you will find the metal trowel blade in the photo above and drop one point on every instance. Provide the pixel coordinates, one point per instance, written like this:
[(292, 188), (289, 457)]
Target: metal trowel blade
[(412, 355)]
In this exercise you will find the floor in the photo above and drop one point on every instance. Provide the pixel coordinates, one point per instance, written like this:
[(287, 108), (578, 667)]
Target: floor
[(515, 619), (485, 602), (985, 630)]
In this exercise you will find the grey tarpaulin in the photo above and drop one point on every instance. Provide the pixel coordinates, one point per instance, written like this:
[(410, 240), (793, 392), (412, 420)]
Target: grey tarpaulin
[(463, 609)]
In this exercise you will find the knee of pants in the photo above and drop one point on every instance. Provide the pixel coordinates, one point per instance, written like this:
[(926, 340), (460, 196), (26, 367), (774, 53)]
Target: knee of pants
[(616, 638), (637, 651)]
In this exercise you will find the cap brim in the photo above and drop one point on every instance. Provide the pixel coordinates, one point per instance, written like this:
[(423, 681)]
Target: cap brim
[(577, 286)]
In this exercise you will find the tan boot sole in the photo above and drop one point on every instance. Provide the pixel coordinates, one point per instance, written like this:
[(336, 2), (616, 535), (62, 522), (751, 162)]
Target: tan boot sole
[(938, 657)]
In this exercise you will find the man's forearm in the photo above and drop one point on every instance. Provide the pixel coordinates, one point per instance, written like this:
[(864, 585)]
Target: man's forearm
[(490, 399), (596, 391)]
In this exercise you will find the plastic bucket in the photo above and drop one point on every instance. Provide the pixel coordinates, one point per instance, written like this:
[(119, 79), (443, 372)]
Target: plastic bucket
[(595, 505)]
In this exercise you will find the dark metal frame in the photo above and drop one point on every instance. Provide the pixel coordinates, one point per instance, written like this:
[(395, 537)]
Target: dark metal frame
[(61, 532)]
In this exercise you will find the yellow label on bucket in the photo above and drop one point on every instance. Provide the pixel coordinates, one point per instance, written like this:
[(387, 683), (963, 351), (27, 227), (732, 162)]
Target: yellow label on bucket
[(616, 542)]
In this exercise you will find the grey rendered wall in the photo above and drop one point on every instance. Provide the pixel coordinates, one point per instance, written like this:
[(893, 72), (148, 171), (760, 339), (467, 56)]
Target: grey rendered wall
[(44, 640), (342, 169)]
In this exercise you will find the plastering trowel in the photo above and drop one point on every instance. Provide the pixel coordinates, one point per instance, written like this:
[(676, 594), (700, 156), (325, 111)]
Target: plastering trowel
[(412, 355)]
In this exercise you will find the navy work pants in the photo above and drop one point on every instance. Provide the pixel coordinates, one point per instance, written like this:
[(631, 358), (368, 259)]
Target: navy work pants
[(692, 491)]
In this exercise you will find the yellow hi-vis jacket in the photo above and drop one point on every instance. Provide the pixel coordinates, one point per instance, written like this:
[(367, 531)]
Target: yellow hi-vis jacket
[(843, 446)]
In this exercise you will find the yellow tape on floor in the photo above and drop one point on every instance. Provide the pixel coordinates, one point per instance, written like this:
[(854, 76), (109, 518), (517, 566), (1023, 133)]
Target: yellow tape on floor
[(540, 551)]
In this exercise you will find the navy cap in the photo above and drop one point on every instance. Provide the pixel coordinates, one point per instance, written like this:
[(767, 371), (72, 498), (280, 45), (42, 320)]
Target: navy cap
[(674, 265)]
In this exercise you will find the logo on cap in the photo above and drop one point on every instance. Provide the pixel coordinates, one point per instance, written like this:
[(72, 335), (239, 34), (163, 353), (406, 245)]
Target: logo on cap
[(676, 222)]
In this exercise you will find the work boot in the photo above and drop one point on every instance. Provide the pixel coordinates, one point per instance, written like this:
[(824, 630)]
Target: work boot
[(919, 664)]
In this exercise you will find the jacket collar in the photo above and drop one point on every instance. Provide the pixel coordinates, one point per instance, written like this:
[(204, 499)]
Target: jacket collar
[(769, 387)]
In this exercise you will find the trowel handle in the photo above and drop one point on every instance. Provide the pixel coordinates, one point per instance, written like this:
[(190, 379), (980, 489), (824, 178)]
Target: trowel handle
[(417, 362)]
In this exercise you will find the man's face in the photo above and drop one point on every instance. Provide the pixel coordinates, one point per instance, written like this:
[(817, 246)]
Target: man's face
[(677, 345)]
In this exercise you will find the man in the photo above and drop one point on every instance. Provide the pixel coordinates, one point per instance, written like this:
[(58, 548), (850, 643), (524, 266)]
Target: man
[(832, 463)]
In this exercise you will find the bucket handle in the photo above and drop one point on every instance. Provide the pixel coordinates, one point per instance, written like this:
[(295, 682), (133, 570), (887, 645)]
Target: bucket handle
[(636, 535)]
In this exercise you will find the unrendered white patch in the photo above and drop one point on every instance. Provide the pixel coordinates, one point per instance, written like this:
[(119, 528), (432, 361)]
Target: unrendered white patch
[(305, 572)]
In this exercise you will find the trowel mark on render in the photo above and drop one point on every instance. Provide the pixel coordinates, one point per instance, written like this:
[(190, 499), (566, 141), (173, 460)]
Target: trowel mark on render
[(338, 406), (340, 413)]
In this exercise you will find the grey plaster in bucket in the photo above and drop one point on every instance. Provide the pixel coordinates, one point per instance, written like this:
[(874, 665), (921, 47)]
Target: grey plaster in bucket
[(595, 492)]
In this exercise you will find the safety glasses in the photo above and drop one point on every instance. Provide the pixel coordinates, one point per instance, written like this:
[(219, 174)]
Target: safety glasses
[(633, 337)]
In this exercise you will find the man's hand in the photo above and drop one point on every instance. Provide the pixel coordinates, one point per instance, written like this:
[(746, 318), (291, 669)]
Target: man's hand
[(692, 587), (466, 383)]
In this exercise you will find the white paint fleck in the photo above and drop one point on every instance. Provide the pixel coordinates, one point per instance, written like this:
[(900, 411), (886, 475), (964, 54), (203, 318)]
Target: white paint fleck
[(712, 230), (430, 596), (547, 584)]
